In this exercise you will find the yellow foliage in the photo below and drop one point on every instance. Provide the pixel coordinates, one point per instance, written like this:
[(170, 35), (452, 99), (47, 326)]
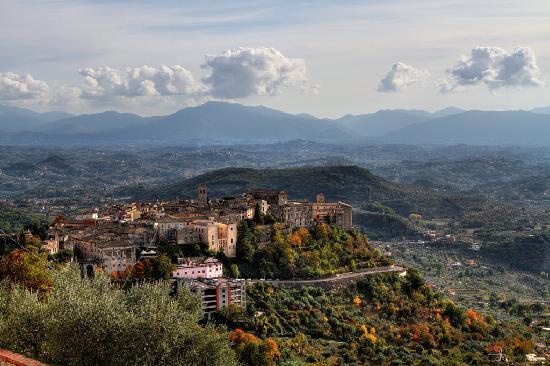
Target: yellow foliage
[(368, 334)]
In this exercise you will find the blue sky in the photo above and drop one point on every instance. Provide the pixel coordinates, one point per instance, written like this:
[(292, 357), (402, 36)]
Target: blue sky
[(326, 58)]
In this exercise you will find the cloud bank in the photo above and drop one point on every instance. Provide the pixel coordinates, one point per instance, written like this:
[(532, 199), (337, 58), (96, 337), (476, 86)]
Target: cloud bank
[(243, 72), (144, 81), (495, 68), (400, 77), (15, 87)]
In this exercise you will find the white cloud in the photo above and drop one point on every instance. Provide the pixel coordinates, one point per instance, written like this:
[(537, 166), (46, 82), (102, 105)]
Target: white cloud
[(243, 72), (496, 68), (16, 87), (144, 81), (401, 76)]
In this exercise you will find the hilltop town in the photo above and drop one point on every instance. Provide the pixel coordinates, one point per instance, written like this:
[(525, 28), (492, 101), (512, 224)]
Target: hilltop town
[(115, 239)]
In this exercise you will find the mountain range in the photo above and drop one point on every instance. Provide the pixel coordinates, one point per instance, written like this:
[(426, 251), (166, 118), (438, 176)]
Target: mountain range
[(220, 122)]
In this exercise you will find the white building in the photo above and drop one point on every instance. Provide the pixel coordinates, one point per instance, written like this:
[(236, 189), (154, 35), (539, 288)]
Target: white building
[(209, 268)]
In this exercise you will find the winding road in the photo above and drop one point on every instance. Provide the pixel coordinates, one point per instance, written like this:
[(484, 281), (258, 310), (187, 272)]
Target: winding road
[(336, 278)]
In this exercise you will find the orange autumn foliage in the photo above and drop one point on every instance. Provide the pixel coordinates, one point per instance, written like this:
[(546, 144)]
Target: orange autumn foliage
[(271, 349), (300, 236), (357, 300), (476, 322), (241, 338)]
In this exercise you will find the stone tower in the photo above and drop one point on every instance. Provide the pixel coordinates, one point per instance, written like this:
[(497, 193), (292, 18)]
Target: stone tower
[(320, 198), (202, 194)]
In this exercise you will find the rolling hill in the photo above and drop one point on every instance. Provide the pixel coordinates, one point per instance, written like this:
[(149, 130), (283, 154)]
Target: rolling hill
[(346, 183)]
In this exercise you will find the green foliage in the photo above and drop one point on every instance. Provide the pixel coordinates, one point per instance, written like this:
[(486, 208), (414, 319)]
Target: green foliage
[(95, 323), (62, 256), (521, 252), (319, 251), (14, 220), (258, 216), (245, 242), (234, 271)]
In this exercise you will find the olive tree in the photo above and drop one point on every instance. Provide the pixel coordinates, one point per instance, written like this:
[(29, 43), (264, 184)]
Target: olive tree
[(85, 322)]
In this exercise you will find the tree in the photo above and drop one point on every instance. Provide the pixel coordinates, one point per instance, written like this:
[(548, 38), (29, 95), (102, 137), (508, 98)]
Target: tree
[(159, 268), (252, 350), (258, 215), (62, 256), (27, 268), (162, 267), (234, 271), (245, 243)]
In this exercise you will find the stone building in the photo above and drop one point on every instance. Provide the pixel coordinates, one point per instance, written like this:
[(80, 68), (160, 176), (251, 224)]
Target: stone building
[(220, 236), (111, 255), (271, 196), (333, 213)]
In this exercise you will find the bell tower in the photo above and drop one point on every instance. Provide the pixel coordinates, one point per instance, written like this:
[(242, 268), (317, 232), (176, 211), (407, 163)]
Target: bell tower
[(202, 194)]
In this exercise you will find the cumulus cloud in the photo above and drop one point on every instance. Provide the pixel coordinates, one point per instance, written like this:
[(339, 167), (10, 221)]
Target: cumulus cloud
[(494, 67), (243, 72), (401, 76), (16, 87), (144, 81)]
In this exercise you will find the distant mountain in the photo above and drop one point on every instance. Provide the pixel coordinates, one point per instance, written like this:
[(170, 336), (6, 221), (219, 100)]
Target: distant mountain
[(478, 128), (449, 111), (381, 123), (14, 119), (94, 123), (218, 121), (386, 121), (541, 110)]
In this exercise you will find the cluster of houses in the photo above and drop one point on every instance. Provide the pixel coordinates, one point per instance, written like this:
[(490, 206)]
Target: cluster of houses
[(115, 238)]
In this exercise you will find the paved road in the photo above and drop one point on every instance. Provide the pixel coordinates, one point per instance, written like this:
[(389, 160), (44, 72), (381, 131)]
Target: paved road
[(336, 278)]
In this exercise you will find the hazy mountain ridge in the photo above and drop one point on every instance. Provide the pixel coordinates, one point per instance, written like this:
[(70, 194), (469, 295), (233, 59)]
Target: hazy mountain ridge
[(220, 122), (478, 128)]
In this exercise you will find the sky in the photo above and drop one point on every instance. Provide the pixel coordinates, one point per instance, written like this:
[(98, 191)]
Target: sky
[(326, 58)]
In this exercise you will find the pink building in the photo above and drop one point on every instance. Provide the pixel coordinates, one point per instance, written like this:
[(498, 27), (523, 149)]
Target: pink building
[(189, 269)]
